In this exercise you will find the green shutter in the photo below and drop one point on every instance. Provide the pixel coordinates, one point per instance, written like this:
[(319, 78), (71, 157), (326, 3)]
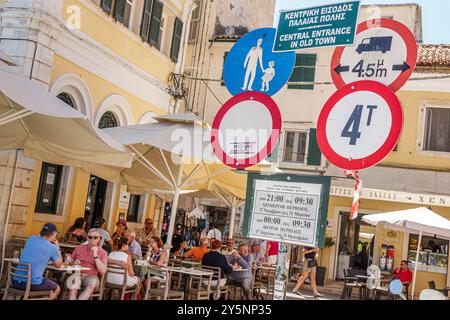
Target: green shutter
[(146, 14), (107, 5), (222, 83), (314, 154), (119, 10), (273, 156), (176, 39), (305, 71), (155, 22)]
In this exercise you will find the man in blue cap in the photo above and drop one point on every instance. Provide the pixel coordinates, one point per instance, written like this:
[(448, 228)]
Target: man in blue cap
[(38, 251)]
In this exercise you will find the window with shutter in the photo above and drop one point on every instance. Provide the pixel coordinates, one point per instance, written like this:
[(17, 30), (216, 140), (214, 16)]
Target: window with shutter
[(119, 10), (145, 23), (155, 23), (222, 83), (304, 71), (107, 5), (294, 147), (437, 130), (273, 156), (176, 39), (314, 154), (195, 21)]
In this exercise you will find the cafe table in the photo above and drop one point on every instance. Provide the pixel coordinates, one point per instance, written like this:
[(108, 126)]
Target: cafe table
[(188, 273)]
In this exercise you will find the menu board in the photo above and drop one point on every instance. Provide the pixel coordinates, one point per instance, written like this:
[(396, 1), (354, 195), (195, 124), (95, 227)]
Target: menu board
[(286, 209)]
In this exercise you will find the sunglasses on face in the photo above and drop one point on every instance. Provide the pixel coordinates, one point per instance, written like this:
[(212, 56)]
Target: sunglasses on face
[(93, 237), (149, 223)]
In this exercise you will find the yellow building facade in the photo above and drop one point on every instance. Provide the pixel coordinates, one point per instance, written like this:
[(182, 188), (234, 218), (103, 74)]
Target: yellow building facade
[(415, 174), (111, 60)]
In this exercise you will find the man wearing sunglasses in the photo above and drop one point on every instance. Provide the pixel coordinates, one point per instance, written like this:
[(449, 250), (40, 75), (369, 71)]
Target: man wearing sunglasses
[(144, 235), (89, 255)]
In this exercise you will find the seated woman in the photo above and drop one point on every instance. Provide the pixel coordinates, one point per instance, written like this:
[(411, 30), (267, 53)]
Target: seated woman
[(122, 259), (77, 231), (157, 256)]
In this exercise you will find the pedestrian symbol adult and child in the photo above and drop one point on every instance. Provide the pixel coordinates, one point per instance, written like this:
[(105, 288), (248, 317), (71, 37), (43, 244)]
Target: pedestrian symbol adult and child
[(252, 65)]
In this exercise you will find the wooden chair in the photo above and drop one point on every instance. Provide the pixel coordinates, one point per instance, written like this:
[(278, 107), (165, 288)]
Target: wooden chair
[(26, 294), (257, 284), (98, 293), (123, 288), (200, 286), (219, 290), (268, 281), (176, 280), (162, 291)]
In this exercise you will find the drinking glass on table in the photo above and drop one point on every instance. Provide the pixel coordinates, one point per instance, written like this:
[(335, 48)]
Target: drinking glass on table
[(67, 260), (16, 254)]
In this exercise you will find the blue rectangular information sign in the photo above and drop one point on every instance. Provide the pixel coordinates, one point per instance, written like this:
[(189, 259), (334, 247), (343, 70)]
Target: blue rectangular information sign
[(324, 26)]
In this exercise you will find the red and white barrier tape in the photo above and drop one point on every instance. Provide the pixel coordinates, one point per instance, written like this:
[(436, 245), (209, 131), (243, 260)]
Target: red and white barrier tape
[(356, 193)]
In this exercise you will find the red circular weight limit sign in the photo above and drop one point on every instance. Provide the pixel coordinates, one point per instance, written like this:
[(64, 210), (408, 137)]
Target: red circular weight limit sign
[(233, 135), (378, 47), (360, 125)]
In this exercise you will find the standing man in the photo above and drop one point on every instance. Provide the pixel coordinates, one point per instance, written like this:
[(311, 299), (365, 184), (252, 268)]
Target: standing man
[(38, 251), (144, 234), (214, 234), (95, 258)]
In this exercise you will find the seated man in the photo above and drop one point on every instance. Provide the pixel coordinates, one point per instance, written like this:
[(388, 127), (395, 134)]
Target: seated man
[(38, 251), (133, 246), (230, 247), (95, 258), (257, 253), (197, 253), (242, 259), (144, 235), (403, 273)]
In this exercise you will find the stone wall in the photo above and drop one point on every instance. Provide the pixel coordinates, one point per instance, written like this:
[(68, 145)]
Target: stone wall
[(237, 17), (24, 174)]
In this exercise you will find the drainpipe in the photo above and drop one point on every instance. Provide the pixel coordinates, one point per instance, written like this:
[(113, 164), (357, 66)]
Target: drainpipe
[(8, 212)]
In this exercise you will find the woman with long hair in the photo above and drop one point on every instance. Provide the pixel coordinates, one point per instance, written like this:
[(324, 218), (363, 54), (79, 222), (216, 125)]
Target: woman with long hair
[(77, 231)]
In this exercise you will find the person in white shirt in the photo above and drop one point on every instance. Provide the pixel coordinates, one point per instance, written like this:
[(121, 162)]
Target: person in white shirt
[(121, 259), (214, 233)]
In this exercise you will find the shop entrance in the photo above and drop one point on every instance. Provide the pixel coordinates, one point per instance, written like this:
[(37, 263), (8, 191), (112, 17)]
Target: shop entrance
[(220, 217), (95, 201), (355, 247)]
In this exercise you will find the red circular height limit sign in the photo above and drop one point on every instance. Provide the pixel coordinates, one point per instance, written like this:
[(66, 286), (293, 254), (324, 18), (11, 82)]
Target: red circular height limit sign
[(359, 125), (385, 51), (246, 129)]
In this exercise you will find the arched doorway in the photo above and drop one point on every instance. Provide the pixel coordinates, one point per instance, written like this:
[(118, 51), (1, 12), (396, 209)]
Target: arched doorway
[(97, 190)]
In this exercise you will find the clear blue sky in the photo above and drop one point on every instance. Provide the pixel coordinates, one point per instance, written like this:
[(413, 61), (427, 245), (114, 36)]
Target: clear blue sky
[(436, 14)]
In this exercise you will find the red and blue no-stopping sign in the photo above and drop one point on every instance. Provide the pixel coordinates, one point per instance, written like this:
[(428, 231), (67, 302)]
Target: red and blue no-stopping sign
[(360, 125), (246, 129)]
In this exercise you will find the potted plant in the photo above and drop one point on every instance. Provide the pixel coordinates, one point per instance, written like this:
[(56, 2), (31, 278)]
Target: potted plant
[(320, 275)]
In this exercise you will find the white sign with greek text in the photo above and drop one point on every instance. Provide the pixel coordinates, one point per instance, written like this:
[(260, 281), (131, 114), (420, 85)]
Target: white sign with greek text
[(285, 212)]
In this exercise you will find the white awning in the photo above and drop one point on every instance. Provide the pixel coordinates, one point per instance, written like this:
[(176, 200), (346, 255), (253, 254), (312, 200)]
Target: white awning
[(50, 130)]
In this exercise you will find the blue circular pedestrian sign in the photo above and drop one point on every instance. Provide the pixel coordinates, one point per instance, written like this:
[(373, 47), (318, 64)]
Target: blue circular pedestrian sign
[(252, 65)]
